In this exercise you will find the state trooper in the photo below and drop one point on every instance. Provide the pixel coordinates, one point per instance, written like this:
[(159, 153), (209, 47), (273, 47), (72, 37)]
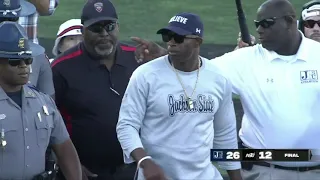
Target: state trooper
[(29, 119), (40, 70)]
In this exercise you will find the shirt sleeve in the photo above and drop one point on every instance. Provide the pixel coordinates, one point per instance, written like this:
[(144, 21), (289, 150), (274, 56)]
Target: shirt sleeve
[(59, 133), (45, 81), (60, 85), (132, 112), (232, 65), (225, 131)]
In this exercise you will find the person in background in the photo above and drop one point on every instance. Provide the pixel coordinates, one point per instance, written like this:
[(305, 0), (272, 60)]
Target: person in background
[(30, 21), (40, 70), (68, 35), (309, 23)]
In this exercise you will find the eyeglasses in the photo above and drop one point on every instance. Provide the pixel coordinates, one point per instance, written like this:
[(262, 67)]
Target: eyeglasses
[(265, 23), (17, 62), (12, 19), (166, 37), (311, 23), (268, 22), (98, 28)]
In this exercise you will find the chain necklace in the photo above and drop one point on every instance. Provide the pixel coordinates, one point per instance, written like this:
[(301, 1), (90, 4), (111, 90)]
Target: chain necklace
[(189, 98)]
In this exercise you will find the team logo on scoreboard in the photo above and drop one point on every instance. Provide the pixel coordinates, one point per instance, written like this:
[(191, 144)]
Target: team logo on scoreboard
[(216, 155), (225, 155)]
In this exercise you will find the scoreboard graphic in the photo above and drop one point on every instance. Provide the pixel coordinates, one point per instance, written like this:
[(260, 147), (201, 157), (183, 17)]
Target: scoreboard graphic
[(261, 155)]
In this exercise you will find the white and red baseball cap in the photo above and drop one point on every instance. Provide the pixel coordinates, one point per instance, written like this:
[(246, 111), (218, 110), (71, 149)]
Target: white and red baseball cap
[(313, 10), (69, 28)]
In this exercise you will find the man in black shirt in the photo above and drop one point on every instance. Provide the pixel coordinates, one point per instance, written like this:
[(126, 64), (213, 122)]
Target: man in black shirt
[(90, 80)]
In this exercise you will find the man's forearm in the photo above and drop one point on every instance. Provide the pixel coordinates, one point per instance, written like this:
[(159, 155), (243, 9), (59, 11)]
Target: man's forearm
[(138, 154), (68, 160), (234, 174)]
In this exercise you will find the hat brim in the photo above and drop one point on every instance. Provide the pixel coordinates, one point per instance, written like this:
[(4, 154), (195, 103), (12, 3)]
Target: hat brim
[(89, 22), (36, 49), (27, 8), (57, 41), (174, 29), (10, 56), (55, 47)]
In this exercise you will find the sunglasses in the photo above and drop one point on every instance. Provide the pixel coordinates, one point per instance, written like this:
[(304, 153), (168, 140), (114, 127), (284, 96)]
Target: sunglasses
[(166, 37), (17, 62), (12, 19), (268, 22), (311, 23), (98, 28), (265, 23)]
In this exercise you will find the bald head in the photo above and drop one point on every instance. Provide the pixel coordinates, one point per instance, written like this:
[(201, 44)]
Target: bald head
[(278, 8), (277, 25)]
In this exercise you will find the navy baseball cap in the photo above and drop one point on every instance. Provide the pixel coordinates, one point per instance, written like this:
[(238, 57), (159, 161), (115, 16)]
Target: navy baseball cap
[(184, 24), (98, 10), (13, 43), (16, 8)]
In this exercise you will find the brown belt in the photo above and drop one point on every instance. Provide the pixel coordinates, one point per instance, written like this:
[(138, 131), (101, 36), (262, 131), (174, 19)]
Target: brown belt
[(299, 169)]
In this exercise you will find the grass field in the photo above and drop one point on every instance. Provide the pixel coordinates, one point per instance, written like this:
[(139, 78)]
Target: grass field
[(144, 17)]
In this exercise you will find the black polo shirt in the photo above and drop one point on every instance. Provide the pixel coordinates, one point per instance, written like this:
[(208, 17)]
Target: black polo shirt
[(89, 97)]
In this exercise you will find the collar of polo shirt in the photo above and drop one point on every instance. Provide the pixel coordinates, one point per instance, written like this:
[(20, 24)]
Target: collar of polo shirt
[(302, 53)]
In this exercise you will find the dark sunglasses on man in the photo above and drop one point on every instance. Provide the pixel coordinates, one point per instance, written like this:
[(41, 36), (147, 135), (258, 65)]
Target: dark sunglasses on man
[(166, 37), (99, 27), (17, 62), (268, 22), (12, 19), (265, 23), (311, 23)]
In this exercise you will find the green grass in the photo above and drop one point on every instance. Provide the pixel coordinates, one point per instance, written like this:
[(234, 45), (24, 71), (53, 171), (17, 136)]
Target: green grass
[(144, 17)]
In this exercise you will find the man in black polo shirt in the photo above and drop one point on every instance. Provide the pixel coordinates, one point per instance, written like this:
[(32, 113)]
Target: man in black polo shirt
[(90, 80)]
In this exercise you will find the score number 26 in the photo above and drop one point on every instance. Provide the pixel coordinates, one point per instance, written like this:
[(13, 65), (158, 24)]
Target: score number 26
[(233, 155)]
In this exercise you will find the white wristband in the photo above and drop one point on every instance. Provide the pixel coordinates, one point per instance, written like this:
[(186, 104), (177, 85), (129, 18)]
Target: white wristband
[(138, 165), (142, 159)]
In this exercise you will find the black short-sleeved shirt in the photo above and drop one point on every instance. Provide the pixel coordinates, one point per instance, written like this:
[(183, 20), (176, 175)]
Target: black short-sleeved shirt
[(89, 97)]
